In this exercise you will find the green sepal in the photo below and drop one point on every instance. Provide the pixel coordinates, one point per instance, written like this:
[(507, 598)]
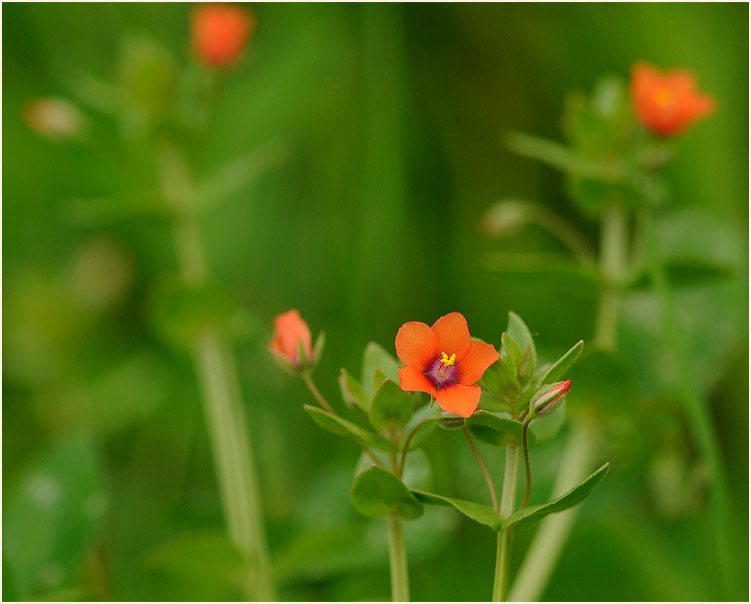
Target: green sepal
[(519, 331), (352, 392), (378, 493), (342, 427), (391, 408), (482, 514), (575, 496), (376, 357), (496, 430), (562, 365)]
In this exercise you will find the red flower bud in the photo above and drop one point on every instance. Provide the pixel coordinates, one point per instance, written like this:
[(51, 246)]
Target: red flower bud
[(667, 103), (548, 399), (221, 32), (291, 342)]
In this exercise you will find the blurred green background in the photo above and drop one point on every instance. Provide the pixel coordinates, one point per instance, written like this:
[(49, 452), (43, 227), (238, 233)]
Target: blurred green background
[(391, 119)]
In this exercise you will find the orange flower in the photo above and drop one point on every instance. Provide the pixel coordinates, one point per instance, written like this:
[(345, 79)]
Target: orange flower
[(220, 32), (444, 362), (667, 103), (291, 336)]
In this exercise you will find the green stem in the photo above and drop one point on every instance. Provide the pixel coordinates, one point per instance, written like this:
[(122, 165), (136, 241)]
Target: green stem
[(548, 542), (397, 554), (508, 497), (527, 470), (483, 469), (225, 416), (580, 449), (316, 393)]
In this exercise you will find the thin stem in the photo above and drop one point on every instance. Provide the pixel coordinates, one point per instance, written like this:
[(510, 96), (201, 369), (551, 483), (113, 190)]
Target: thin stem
[(405, 448), (316, 393), (397, 554), (527, 471), (508, 497), (483, 468), (613, 265), (548, 543)]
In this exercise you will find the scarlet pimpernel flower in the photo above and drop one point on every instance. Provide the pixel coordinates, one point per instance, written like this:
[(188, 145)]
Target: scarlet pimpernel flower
[(444, 361), (220, 32), (291, 343), (667, 103)]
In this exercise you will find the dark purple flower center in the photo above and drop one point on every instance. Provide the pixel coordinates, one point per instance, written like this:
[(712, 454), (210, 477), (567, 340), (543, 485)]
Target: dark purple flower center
[(442, 371)]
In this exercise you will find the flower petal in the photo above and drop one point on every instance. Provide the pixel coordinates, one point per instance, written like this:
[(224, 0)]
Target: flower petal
[(416, 345), (478, 359), (452, 334), (459, 399), (289, 330), (412, 380)]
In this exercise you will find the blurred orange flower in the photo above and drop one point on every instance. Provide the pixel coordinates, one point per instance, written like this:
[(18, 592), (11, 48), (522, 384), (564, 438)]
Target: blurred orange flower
[(291, 336), (220, 32), (667, 103), (443, 361)]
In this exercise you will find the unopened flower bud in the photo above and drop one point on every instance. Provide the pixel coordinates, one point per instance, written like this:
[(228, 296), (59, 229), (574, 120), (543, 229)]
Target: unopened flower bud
[(291, 343), (221, 32), (450, 421), (548, 399), (54, 118)]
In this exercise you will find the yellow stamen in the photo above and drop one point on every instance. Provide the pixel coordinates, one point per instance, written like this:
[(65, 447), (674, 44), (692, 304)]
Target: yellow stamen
[(448, 361), (664, 97)]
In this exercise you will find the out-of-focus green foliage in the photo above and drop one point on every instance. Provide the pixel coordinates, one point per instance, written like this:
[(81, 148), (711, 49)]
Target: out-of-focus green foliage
[(347, 163)]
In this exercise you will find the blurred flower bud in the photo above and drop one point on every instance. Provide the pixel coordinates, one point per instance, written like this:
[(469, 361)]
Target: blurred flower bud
[(505, 218), (54, 118), (291, 343), (548, 399), (667, 103), (103, 272), (220, 32)]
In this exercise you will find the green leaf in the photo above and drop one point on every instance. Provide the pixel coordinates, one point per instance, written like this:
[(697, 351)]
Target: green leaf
[(53, 516), (575, 496), (378, 493), (496, 430), (352, 392), (342, 427), (391, 408), (519, 331), (499, 379), (478, 512), (562, 365), (511, 354), (375, 357)]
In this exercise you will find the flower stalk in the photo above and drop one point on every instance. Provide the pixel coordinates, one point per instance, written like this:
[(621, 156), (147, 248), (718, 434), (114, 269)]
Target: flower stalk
[(225, 416)]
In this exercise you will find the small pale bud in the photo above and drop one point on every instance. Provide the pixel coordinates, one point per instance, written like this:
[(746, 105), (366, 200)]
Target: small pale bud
[(54, 118), (548, 399)]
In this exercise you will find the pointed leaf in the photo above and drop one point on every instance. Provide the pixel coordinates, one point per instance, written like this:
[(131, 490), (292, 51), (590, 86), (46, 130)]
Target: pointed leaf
[(519, 331), (478, 512), (562, 365), (378, 493), (573, 497), (391, 408), (495, 429), (511, 354), (342, 427), (352, 392), (376, 357)]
